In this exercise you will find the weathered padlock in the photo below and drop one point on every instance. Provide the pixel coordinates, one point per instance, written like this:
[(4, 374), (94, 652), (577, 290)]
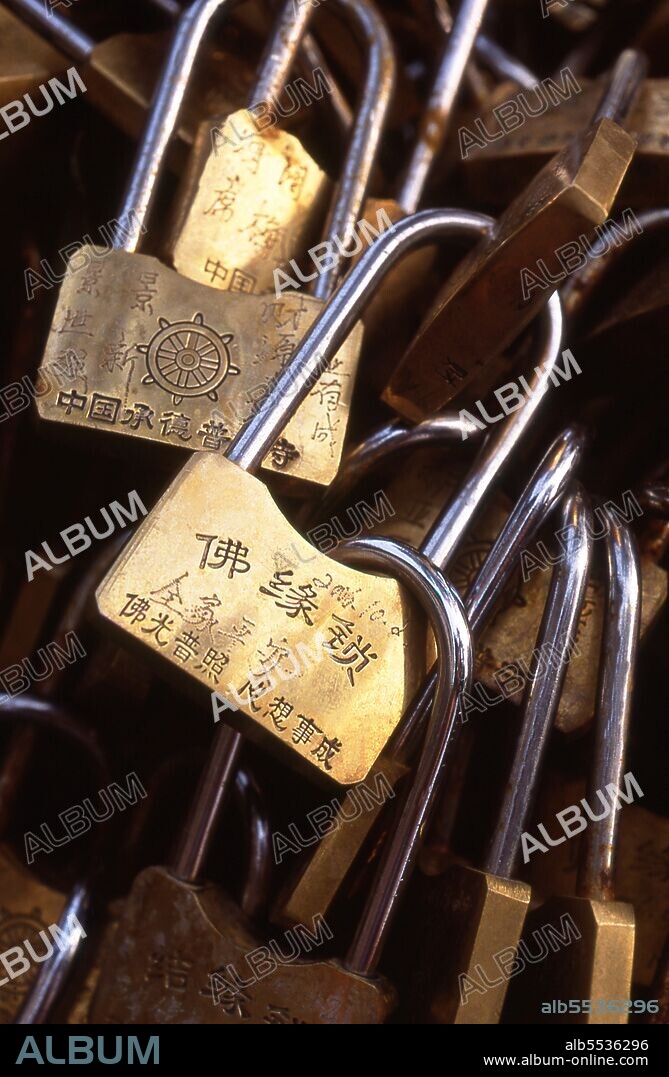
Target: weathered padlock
[(167, 361), (226, 626), (574, 192), (194, 932), (493, 563), (253, 199), (597, 963), (26, 61), (487, 908)]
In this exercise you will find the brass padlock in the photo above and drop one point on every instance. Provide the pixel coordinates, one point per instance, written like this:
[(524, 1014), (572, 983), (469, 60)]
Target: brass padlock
[(194, 932), (29, 908), (487, 908), (329, 716), (481, 570), (166, 360), (252, 199), (26, 61), (573, 193), (597, 963)]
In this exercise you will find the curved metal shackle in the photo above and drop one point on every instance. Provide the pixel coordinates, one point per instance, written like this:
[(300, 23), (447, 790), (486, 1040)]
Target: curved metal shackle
[(444, 607), (366, 134), (620, 642), (557, 632), (320, 344), (441, 100), (259, 858), (169, 97), (502, 64), (544, 489)]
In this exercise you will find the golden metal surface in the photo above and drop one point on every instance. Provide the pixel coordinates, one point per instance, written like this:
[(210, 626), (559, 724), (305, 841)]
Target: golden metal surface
[(483, 914), (249, 205), (26, 60), (122, 73), (136, 349), (212, 559), (26, 908), (573, 193), (177, 943)]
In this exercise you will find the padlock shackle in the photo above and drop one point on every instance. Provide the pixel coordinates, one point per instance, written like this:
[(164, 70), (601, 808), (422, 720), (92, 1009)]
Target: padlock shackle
[(545, 488), (443, 93), (622, 85), (502, 64), (320, 344), (443, 606), (365, 137), (559, 626), (61, 32), (620, 643), (448, 530)]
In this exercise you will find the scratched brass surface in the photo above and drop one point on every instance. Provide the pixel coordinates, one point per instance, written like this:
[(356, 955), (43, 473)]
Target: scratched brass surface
[(574, 192), (250, 203), (26, 60), (249, 616), (181, 956), (136, 349), (498, 171), (26, 908)]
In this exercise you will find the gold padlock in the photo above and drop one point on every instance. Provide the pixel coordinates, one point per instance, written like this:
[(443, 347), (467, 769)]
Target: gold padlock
[(202, 564), (574, 192)]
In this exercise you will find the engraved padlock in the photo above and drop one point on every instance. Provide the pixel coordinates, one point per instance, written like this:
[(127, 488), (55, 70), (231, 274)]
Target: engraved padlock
[(218, 586), (229, 977), (167, 360)]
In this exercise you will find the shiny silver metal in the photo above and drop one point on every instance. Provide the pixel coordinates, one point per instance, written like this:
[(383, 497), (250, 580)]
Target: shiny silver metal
[(623, 84), (558, 628), (620, 642), (449, 623), (61, 32), (54, 975), (503, 64)]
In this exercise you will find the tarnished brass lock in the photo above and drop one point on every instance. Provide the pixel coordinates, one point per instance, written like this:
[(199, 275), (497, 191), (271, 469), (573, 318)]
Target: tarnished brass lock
[(184, 952), (252, 199), (597, 964), (168, 360), (573, 193), (204, 567), (121, 72), (487, 908), (26, 61)]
